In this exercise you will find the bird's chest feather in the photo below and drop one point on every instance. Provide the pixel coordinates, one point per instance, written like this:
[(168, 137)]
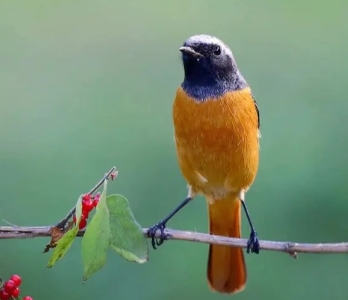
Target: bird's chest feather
[(217, 140)]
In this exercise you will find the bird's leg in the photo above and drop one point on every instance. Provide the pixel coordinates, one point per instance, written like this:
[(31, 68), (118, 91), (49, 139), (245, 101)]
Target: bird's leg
[(253, 242), (162, 225)]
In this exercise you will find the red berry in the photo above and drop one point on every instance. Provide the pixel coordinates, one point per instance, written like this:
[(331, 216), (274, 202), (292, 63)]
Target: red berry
[(86, 197), (82, 224), (82, 221), (97, 196), (16, 292), (85, 213), (87, 205), (16, 279), (27, 298), (9, 286), (95, 202), (4, 295)]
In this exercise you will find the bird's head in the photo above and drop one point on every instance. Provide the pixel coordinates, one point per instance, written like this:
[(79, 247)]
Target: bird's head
[(206, 58)]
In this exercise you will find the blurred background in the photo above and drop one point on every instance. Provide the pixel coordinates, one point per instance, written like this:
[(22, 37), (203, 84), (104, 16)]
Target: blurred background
[(85, 85)]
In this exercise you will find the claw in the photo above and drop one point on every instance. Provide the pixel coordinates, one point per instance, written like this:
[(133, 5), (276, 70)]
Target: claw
[(253, 243), (157, 241)]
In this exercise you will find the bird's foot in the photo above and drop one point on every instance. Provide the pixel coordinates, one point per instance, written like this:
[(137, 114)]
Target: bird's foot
[(155, 240), (253, 243)]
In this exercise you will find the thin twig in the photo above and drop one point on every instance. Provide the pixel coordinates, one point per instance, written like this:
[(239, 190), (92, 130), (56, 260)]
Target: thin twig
[(8, 232), (62, 223)]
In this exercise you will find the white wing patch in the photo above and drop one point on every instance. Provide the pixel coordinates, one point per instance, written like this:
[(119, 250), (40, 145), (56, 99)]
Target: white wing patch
[(259, 134), (201, 178)]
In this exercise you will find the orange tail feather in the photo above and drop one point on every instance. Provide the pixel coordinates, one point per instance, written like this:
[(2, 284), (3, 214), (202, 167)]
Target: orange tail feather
[(226, 267)]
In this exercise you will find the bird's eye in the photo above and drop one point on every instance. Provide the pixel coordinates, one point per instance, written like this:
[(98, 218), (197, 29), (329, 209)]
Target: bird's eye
[(217, 50)]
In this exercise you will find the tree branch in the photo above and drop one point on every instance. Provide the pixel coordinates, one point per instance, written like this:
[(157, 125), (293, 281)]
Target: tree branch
[(15, 232)]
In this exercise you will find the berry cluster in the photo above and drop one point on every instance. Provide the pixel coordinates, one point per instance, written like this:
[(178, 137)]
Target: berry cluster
[(10, 289), (89, 202)]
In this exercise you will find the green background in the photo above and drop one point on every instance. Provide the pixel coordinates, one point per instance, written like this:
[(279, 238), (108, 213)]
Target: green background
[(85, 85)]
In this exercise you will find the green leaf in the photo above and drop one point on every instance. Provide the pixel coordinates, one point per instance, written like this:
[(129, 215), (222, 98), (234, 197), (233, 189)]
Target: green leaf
[(96, 239), (127, 237), (78, 210), (67, 239)]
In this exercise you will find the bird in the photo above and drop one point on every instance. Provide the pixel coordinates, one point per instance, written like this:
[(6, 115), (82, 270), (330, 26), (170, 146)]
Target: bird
[(217, 140)]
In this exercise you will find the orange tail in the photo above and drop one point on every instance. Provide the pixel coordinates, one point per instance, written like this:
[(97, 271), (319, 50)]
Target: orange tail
[(226, 268)]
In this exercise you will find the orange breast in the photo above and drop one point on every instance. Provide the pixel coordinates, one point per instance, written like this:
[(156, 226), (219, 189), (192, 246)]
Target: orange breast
[(217, 141)]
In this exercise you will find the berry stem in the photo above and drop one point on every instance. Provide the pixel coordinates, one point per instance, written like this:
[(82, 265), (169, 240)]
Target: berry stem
[(63, 222)]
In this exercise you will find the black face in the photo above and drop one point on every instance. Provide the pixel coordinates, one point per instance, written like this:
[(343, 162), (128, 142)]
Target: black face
[(207, 64)]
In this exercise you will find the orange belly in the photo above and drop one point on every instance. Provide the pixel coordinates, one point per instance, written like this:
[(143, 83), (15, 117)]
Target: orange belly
[(217, 142)]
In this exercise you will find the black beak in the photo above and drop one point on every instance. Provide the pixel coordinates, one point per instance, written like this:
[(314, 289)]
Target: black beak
[(189, 51)]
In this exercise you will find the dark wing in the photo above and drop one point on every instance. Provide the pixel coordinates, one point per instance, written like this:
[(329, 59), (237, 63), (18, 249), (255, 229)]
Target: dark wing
[(258, 113)]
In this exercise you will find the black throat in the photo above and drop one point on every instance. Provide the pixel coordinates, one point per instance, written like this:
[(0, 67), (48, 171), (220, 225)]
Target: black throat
[(202, 83)]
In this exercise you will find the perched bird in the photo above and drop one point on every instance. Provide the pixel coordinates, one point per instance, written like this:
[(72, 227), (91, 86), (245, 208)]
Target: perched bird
[(216, 125)]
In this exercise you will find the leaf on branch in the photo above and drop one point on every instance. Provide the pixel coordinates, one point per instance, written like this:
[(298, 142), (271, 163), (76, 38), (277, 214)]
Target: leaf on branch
[(127, 237), (65, 242), (96, 239), (56, 235)]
